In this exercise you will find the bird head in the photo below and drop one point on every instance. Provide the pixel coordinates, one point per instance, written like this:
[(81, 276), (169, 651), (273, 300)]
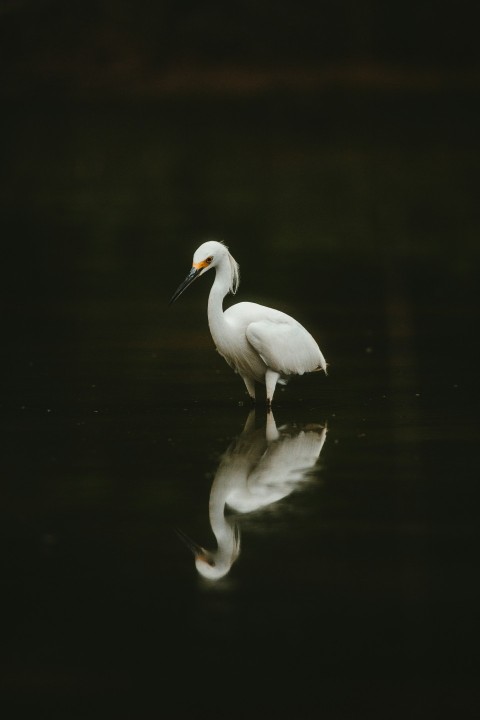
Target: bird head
[(215, 564), (210, 254)]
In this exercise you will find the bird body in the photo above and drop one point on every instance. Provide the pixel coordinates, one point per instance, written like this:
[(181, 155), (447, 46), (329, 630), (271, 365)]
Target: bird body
[(261, 344), (271, 339)]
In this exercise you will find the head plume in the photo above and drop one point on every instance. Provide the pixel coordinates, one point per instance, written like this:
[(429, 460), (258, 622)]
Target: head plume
[(217, 250), (235, 274)]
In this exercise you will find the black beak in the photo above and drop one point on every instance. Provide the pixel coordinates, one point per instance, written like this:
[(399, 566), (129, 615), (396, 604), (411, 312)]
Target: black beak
[(188, 281), (192, 546)]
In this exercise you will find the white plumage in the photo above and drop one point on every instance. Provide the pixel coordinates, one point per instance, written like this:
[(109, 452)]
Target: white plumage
[(261, 344)]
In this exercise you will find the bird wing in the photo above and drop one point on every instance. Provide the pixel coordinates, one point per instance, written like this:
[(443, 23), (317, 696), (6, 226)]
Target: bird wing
[(285, 347), (285, 464)]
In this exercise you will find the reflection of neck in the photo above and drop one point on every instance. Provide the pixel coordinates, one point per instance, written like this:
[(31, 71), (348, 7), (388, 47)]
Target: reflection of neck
[(222, 527)]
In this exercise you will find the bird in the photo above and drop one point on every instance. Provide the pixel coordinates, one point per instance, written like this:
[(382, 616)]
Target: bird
[(261, 344), (260, 467)]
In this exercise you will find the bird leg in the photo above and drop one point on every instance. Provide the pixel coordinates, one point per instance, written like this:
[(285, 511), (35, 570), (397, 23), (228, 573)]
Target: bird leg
[(249, 423), (271, 432), (250, 385), (271, 378)]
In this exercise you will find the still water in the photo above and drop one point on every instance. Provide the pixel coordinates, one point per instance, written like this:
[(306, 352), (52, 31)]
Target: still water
[(165, 545)]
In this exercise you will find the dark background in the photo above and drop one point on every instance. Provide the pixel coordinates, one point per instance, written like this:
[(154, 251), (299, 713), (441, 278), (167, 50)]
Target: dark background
[(334, 139), (335, 148)]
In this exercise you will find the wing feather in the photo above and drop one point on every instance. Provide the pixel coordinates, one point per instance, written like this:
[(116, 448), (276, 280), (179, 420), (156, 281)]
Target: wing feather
[(285, 346)]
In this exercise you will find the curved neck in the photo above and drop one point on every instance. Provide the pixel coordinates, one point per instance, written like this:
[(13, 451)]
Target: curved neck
[(217, 501), (224, 528), (219, 289)]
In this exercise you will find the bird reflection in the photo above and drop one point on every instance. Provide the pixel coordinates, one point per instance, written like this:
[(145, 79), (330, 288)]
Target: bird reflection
[(259, 468)]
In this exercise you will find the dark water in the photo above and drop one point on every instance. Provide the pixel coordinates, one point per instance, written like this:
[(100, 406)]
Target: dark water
[(354, 594)]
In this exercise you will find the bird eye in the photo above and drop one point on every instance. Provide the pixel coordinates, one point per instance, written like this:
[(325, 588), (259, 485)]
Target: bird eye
[(209, 259)]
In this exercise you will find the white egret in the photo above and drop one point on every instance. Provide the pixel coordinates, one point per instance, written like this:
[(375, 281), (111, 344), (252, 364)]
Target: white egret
[(261, 344)]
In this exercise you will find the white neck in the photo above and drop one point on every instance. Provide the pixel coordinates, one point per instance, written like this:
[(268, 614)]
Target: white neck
[(220, 288), (224, 528)]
